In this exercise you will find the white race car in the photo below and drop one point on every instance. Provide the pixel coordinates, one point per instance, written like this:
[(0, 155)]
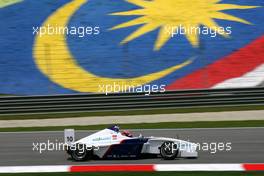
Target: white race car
[(110, 143)]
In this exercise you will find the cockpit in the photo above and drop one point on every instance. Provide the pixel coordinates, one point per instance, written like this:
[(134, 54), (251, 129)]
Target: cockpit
[(116, 128)]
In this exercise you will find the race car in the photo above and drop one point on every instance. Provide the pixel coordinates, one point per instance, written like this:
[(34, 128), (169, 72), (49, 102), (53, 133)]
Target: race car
[(111, 143)]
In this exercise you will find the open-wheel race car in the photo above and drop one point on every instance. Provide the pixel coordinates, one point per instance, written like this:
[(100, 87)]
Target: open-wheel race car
[(111, 143)]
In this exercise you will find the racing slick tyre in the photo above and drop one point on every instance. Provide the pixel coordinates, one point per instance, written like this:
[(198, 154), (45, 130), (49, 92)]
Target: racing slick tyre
[(169, 150), (81, 153), (68, 150)]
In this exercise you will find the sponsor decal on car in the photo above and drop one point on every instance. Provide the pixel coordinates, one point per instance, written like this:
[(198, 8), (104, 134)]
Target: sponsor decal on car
[(101, 139), (114, 137)]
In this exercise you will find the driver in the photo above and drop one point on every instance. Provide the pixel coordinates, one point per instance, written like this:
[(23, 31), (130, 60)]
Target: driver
[(115, 128), (127, 133)]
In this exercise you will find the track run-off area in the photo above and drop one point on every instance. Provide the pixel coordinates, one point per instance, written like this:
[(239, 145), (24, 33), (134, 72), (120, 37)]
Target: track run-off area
[(247, 146)]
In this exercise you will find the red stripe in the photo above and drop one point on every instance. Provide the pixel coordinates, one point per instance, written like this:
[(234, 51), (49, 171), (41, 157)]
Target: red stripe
[(113, 168), (235, 65), (254, 167)]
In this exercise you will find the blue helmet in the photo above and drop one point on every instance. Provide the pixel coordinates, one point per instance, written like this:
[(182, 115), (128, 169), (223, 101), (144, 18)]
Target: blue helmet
[(114, 128)]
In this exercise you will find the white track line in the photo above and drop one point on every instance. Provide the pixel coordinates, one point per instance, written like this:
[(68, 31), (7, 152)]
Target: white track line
[(165, 129), (134, 168)]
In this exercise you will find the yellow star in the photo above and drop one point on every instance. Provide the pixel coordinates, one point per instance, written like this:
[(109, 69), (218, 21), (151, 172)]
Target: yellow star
[(164, 14)]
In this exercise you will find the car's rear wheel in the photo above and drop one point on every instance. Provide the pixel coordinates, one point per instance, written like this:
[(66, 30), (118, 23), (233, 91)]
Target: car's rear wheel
[(81, 153), (169, 150)]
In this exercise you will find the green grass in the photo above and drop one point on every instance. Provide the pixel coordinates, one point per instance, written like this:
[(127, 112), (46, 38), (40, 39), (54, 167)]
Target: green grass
[(219, 124), (147, 174), (5, 3), (138, 112), (2, 95)]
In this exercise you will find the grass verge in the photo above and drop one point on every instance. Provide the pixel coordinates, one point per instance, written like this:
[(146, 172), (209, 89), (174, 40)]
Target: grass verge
[(134, 112), (168, 125), (147, 174)]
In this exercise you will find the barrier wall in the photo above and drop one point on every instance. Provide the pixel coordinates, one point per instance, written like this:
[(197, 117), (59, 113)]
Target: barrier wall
[(75, 46)]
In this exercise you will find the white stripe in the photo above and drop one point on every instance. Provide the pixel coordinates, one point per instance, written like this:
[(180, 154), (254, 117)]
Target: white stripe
[(199, 167), (131, 129), (157, 167), (250, 79), (34, 169)]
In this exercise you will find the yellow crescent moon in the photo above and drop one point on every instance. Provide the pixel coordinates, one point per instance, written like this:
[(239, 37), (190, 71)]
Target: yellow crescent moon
[(53, 58)]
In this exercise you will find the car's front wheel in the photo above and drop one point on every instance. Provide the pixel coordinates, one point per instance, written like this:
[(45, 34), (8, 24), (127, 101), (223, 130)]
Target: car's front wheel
[(169, 150), (81, 153)]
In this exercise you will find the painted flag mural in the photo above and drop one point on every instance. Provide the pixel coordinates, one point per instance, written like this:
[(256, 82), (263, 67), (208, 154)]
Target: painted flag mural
[(80, 46)]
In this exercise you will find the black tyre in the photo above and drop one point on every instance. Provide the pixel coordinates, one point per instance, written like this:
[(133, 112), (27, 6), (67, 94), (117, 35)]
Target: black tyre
[(81, 153), (68, 150), (169, 150)]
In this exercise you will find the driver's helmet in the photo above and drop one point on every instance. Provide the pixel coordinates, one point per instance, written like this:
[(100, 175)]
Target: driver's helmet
[(115, 128), (127, 133)]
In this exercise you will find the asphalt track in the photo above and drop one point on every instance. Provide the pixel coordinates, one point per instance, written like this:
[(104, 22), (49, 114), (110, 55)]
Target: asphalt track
[(247, 147)]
